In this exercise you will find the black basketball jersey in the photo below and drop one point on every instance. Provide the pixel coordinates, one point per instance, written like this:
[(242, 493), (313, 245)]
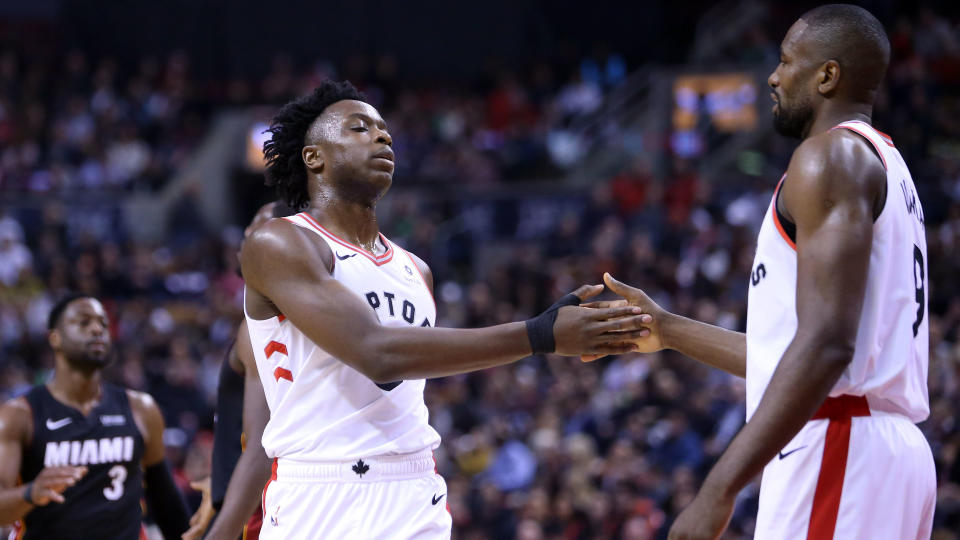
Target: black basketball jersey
[(105, 503)]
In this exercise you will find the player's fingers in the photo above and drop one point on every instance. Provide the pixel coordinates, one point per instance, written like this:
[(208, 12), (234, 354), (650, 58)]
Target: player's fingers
[(629, 335), (59, 482), (616, 313), (601, 304), (622, 289), (50, 495), (612, 348), (67, 470), (590, 357), (622, 324), (588, 291), (193, 533)]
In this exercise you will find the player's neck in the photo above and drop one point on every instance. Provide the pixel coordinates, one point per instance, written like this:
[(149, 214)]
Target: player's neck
[(831, 114), (355, 223), (77, 388)]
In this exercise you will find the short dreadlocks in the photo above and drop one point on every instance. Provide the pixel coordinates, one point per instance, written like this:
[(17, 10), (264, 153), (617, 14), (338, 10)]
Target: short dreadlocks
[(285, 168)]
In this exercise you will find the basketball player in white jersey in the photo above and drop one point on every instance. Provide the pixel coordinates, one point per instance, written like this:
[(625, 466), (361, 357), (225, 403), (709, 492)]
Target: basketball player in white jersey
[(342, 323), (835, 353)]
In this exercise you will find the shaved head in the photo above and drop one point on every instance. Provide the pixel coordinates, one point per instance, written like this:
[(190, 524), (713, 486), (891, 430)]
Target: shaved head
[(852, 37)]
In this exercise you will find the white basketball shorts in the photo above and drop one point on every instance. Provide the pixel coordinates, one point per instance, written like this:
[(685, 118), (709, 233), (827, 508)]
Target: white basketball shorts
[(385, 497), (850, 474)]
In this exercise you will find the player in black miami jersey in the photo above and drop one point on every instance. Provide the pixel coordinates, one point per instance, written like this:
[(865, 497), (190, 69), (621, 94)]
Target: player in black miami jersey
[(77, 454)]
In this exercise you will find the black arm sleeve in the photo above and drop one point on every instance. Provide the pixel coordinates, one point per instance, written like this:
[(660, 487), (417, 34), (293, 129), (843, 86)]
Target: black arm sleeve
[(166, 502), (226, 432)]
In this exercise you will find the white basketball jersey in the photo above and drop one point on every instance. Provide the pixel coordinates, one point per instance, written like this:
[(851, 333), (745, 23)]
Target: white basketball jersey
[(321, 409), (889, 364)]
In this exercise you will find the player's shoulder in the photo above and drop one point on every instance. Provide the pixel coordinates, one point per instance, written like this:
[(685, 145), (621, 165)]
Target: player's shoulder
[(141, 401), (15, 418), (839, 162), (279, 243)]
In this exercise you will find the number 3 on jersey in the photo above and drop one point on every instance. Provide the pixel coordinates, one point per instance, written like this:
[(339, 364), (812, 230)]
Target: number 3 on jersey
[(919, 282), (118, 475)]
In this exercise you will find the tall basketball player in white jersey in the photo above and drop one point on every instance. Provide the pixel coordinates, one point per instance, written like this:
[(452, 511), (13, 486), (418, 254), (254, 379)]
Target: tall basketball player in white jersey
[(342, 323), (835, 353)]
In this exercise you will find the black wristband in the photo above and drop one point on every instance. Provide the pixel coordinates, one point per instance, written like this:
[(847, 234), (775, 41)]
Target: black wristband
[(28, 493), (540, 328)]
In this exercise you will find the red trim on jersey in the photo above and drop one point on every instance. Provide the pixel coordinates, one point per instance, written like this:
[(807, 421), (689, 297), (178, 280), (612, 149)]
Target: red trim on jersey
[(18, 530), (833, 466), (275, 346), (263, 495), (281, 317), (281, 373), (143, 533), (869, 140), (377, 260), (776, 220)]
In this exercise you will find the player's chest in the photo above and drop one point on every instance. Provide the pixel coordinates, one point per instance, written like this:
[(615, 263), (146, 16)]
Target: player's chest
[(395, 292), (66, 437)]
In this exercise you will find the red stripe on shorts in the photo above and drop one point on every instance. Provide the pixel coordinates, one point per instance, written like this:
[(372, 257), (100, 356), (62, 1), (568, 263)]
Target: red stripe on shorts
[(833, 467), (263, 496)]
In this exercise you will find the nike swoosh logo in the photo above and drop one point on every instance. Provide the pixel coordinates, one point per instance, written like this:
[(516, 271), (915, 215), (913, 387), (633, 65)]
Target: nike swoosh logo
[(782, 455), (345, 257), (53, 426), (437, 499)]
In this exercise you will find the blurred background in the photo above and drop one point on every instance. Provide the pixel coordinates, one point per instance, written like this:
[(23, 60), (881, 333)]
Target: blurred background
[(538, 145)]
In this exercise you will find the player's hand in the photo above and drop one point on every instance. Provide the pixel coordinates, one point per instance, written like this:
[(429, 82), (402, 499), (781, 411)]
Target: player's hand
[(704, 519), (602, 331), (201, 519), (651, 342), (50, 484)]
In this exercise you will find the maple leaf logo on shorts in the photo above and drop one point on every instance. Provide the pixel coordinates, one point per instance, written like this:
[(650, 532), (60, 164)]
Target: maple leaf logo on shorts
[(360, 468)]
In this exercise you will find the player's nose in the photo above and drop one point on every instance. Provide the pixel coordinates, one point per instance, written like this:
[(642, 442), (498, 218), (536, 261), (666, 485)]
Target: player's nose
[(97, 328), (384, 138)]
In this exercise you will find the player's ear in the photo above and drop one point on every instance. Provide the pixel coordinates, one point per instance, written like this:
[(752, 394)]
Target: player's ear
[(828, 77), (55, 339), (312, 158)]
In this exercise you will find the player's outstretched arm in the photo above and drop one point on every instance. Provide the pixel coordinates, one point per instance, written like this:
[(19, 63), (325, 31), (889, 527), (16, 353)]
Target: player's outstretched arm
[(162, 494), (834, 185), (48, 487), (288, 272), (253, 467), (718, 347)]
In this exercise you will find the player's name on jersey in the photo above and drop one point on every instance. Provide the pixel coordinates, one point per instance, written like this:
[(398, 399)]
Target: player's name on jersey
[(88, 452)]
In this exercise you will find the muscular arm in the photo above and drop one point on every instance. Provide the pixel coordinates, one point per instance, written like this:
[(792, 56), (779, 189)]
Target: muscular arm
[(286, 268), (718, 347), (14, 427), (833, 185), (162, 494), (253, 467)]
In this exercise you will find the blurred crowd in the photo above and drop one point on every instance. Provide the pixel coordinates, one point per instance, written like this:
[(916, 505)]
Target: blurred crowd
[(77, 124), (549, 447)]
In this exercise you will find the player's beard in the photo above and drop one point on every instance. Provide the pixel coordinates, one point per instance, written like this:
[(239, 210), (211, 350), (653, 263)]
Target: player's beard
[(87, 360), (793, 121)]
